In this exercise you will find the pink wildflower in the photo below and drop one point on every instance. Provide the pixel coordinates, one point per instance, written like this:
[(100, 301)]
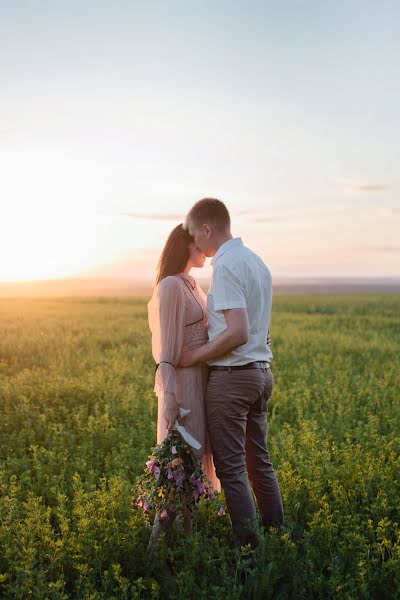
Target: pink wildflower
[(139, 502), (164, 514), (150, 465), (221, 512)]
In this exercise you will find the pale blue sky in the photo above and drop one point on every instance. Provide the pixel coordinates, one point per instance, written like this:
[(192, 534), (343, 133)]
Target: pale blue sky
[(116, 115)]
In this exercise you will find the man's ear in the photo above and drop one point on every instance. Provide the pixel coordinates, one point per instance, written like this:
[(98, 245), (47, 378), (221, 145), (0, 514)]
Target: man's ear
[(208, 230)]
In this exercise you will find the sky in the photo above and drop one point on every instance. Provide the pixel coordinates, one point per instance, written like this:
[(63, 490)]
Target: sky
[(115, 117)]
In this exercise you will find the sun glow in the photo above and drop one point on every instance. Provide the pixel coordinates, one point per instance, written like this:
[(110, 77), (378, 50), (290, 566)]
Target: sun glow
[(46, 243), (43, 246), (56, 219)]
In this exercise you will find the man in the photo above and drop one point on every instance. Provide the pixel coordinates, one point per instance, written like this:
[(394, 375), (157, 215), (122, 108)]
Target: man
[(240, 380)]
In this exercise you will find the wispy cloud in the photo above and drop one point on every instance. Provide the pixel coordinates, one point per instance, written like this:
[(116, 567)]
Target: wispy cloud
[(266, 219), (254, 216), (383, 248), (370, 188), (153, 217), (390, 212), (257, 216), (246, 213), (291, 214), (354, 186), (145, 216)]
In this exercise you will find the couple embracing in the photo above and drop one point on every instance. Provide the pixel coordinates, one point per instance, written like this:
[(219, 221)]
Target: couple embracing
[(212, 357)]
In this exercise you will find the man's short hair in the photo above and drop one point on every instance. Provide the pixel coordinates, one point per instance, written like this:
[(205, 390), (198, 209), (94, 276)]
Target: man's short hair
[(212, 211)]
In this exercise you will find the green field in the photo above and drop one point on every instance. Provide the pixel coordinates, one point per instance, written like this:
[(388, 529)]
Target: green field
[(78, 419)]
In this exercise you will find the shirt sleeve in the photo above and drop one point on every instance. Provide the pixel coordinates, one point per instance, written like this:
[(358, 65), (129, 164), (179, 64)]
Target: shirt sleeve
[(166, 317), (227, 289)]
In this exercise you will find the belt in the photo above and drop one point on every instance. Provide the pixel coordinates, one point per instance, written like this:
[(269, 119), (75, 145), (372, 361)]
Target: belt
[(252, 365)]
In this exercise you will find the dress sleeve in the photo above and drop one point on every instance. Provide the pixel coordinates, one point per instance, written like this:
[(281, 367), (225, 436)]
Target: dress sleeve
[(166, 317)]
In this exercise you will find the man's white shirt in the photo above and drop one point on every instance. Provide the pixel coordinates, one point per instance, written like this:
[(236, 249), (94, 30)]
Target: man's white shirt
[(240, 279)]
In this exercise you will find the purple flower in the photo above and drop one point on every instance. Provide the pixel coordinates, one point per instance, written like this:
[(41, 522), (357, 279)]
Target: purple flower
[(170, 474), (156, 472), (221, 512), (197, 483), (174, 450), (179, 475), (147, 507)]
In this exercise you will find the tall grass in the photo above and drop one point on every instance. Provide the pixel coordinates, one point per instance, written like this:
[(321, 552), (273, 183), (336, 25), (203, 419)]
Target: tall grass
[(78, 418)]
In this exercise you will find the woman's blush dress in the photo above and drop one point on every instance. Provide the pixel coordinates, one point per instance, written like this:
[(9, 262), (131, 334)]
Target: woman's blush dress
[(177, 316)]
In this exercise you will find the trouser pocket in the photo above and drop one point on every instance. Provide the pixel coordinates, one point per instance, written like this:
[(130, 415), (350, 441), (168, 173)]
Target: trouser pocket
[(262, 402)]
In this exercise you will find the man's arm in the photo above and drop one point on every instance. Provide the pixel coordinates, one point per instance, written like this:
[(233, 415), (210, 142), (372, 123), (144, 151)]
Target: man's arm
[(236, 334)]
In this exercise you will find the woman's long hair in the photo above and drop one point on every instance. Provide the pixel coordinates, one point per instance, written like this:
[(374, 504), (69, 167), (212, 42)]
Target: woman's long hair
[(175, 254)]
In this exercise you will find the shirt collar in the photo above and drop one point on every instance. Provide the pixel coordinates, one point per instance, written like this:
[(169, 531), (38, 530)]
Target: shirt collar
[(228, 245)]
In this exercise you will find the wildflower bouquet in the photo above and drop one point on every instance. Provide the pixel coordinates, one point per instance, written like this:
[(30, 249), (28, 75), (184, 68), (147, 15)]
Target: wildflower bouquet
[(173, 480)]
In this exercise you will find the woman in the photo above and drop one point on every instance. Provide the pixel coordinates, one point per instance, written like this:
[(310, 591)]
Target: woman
[(177, 315)]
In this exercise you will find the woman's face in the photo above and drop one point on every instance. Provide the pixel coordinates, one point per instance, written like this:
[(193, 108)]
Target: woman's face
[(197, 257)]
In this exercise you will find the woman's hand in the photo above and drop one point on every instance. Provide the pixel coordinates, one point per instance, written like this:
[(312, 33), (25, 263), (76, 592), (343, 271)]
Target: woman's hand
[(171, 410)]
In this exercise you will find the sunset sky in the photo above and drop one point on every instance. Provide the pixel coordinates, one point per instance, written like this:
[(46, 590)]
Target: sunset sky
[(115, 117)]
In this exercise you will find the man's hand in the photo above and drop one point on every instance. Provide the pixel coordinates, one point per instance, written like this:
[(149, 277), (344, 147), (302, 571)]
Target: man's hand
[(188, 358), (236, 334), (171, 410)]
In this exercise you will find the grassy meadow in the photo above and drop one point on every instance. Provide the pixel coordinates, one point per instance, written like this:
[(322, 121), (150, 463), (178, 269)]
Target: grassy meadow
[(78, 420)]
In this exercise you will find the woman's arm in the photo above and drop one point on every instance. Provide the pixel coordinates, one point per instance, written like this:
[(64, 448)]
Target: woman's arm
[(170, 316)]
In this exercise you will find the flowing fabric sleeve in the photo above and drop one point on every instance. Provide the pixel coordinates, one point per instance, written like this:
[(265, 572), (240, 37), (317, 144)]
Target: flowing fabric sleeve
[(166, 317)]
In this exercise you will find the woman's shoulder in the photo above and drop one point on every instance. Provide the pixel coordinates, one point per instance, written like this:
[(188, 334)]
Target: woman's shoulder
[(171, 284), (169, 281)]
